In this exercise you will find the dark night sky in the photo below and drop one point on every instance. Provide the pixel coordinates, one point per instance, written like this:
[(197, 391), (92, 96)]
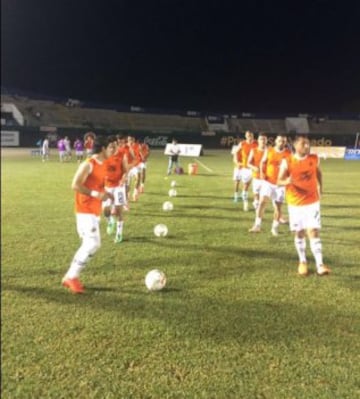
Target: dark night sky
[(231, 56)]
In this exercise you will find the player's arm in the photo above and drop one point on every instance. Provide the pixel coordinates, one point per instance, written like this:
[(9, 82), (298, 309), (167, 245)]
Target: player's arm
[(235, 156), (283, 177), (250, 164), (262, 164), (124, 165)]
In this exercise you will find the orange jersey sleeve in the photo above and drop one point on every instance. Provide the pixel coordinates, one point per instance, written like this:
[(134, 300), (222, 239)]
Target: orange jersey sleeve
[(304, 187), (95, 181)]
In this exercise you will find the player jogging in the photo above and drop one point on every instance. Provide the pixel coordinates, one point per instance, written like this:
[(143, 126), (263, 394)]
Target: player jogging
[(242, 173), (301, 175), (88, 184), (115, 185), (269, 190), (254, 160)]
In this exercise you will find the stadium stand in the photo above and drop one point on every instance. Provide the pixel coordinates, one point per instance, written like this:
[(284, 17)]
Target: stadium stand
[(39, 112)]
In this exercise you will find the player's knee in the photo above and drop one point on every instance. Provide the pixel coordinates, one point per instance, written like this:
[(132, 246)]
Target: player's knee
[(92, 245)]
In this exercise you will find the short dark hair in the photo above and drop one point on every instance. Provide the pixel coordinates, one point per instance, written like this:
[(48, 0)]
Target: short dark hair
[(300, 136), (101, 142)]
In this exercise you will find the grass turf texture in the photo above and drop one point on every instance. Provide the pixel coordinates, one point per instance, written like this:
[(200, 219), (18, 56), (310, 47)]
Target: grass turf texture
[(235, 320)]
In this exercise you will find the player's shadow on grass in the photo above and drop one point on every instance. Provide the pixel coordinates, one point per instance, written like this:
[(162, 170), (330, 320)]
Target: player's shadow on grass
[(209, 316), (203, 196)]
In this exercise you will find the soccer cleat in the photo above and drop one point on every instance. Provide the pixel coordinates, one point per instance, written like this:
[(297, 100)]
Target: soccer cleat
[(283, 221), (118, 238), (235, 200), (274, 231), (303, 269), (246, 206), (74, 285), (110, 228), (255, 229), (323, 270)]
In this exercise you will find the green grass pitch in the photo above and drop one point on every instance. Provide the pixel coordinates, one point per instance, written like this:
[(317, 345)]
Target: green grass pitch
[(234, 321)]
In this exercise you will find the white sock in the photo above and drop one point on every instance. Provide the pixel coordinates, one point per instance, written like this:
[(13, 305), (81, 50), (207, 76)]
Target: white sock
[(236, 195), (119, 227), (300, 245), (244, 195), (257, 221), (275, 224), (316, 249)]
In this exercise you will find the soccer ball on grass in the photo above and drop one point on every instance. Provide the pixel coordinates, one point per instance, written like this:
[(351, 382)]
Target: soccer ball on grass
[(155, 280), (161, 230), (168, 206)]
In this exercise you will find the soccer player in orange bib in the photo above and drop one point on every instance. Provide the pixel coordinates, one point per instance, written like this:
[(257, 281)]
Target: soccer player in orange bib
[(269, 189), (242, 172), (255, 157), (116, 168), (88, 184), (134, 171), (301, 175), (145, 152)]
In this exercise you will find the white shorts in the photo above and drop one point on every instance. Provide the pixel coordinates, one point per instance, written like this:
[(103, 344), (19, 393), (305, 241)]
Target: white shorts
[(243, 175), (272, 191), (304, 217), (237, 174), (119, 194), (256, 185), (79, 153), (87, 225), (133, 172), (142, 165)]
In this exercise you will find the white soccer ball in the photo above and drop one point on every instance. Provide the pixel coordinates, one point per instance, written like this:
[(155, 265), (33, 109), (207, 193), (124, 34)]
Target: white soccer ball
[(172, 192), (168, 206), (155, 280), (173, 183), (160, 230)]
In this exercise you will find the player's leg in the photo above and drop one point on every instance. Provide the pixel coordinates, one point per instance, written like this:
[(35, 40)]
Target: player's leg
[(246, 181), (137, 177), (119, 201), (89, 231), (313, 224), (296, 224), (256, 185), (236, 179), (142, 176), (266, 193), (170, 166)]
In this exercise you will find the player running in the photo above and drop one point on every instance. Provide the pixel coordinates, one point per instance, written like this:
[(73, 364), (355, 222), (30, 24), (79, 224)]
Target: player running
[(242, 172), (269, 190), (255, 157), (88, 184), (115, 176), (301, 175)]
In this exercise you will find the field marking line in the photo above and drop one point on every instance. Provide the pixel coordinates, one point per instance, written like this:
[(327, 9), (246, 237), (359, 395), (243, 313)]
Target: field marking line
[(204, 166)]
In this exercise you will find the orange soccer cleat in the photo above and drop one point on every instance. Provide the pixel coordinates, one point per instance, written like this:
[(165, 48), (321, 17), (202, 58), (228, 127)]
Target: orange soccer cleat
[(74, 285), (303, 269)]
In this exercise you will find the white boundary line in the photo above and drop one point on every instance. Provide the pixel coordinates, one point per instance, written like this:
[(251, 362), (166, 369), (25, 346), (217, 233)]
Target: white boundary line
[(204, 166)]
